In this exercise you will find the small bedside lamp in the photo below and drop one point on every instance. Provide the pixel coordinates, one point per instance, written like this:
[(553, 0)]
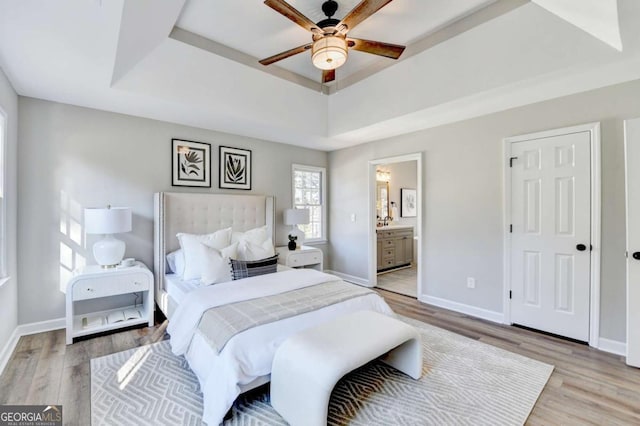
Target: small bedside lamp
[(109, 251), (295, 217)]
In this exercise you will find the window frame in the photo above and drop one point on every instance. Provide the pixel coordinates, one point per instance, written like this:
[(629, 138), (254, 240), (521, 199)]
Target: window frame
[(4, 137), (323, 198)]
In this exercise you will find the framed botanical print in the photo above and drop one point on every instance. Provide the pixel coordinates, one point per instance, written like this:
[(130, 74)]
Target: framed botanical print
[(191, 163), (408, 202), (235, 168)]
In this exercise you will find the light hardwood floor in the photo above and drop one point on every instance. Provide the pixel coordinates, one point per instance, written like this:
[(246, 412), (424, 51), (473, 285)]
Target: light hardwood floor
[(586, 387)]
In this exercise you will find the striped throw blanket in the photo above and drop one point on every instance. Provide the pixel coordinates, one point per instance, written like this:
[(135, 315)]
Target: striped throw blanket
[(219, 324)]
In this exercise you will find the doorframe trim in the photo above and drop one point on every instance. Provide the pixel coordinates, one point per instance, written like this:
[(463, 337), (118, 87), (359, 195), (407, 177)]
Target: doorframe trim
[(596, 219), (371, 222)]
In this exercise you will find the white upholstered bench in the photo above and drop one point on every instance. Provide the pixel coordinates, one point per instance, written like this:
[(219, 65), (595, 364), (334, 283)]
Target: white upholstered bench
[(307, 366)]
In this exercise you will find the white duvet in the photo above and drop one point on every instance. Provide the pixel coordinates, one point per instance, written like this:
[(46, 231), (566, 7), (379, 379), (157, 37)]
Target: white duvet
[(249, 354)]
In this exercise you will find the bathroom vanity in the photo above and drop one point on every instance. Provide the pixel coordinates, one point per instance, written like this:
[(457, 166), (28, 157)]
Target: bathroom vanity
[(394, 247)]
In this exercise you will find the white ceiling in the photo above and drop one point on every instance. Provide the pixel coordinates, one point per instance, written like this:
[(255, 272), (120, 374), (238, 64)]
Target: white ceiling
[(257, 30), (465, 58)]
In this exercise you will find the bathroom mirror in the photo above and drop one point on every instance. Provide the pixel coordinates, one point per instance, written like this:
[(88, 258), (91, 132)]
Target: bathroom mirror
[(382, 199)]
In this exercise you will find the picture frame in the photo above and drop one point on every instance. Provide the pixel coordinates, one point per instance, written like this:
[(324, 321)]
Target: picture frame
[(235, 168), (190, 163), (408, 202)]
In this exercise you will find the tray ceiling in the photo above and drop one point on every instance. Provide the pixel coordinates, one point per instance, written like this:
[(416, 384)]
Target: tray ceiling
[(194, 62), (254, 29)]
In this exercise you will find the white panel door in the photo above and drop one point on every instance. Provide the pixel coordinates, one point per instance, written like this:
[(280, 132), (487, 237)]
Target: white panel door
[(551, 219), (632, 163)]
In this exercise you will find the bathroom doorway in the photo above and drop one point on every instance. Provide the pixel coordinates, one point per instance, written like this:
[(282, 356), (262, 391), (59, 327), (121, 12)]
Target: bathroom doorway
[(395, 212)]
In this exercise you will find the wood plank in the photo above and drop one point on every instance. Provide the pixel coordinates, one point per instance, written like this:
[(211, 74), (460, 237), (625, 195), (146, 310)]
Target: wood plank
[(45, 384), (75, 394), (17, 376)]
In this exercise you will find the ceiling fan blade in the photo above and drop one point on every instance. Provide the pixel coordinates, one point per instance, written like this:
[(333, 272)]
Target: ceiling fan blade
[(283, 55), (359, 13), (285, 9), (328, 75), (388, 50)]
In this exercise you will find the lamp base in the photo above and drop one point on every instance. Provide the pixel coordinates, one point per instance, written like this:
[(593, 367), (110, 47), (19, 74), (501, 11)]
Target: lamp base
[(298, 233), (109, 251)]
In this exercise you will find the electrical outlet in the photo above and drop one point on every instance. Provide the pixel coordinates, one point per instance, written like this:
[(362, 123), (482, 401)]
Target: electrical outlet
[(471, 282), (353, 217)]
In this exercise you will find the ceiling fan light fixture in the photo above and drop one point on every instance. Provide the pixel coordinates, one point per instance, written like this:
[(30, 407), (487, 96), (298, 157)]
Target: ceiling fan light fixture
[(329, 52)]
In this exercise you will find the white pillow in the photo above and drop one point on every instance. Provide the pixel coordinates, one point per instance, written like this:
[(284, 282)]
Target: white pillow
[(248, 250), (256, 235), (175, 261), (216, 267), (193, 253)]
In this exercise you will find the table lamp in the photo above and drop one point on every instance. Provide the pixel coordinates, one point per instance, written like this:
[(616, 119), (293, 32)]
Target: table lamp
[(295, 217), (109, 251)]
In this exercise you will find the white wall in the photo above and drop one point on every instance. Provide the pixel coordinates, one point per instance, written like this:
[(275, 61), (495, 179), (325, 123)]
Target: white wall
[(462, 205), (9, 290), (71, 157), (403, 175)]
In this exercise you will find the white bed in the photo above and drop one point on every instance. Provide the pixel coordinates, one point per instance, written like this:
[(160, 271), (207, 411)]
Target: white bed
[(245, 361), (199, 213)]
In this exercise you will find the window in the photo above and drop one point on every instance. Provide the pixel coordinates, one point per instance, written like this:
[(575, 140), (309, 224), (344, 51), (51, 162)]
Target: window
[(309, 193), (3, 246)]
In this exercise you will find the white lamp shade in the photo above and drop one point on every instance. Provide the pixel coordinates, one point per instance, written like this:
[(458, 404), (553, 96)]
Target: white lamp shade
[(112, 220), (296, 216)]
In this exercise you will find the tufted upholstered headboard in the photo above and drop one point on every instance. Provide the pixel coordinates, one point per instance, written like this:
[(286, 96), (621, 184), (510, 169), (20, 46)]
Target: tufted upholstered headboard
[(200, 213)]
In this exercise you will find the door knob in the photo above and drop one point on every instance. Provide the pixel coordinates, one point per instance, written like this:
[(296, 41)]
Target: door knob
[(636, 255), (581, 247)]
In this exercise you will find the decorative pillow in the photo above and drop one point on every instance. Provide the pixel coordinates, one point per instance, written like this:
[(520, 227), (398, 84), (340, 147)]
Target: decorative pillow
[(256, 235), (175, 262), (248, 250), (215, 268), (193, 253), (252, 268)]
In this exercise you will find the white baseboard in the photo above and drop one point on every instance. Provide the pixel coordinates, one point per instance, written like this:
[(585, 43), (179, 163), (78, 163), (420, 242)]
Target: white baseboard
[(25, 330), (350, 278), (473, 311), (7, 351), (612, 346), (606, 345), (41, 327)]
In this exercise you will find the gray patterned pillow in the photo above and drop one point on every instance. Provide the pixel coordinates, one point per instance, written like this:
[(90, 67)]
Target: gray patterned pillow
[(252, 268)]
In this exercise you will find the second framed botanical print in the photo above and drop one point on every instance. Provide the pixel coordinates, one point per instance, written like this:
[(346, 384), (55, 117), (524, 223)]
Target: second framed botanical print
[(235, 168), (191, 163)]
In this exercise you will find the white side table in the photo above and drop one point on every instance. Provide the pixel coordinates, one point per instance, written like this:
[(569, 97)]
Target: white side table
[(302, 257), (93, 282)]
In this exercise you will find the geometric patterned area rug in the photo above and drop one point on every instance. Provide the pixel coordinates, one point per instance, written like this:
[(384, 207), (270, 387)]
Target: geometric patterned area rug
[(464, 382)]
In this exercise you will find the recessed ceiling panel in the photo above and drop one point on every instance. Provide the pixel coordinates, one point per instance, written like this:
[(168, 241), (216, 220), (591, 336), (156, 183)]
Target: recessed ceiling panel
[(253, 28)]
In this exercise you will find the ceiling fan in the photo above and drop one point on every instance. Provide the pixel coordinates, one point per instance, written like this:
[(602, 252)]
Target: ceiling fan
[(330, 44)]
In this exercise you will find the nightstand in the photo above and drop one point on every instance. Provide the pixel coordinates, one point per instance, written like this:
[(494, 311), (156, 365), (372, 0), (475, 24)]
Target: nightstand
[(92, 288), (302, 257)]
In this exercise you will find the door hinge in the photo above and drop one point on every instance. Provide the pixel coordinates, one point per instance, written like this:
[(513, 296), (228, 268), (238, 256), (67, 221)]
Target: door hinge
[(510, 294), (511, 229), (511, 161), (590, 247)]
